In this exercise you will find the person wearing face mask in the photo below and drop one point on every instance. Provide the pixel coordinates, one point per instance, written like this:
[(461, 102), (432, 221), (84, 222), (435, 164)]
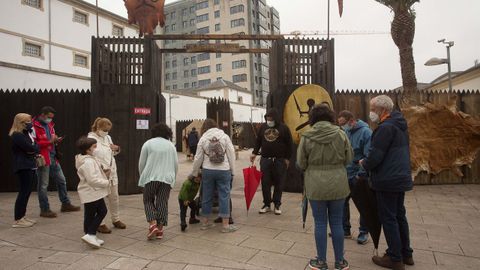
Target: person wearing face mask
[(47, 140), (105, 153), (24, 151), (92, 188), (274, 144), (359, 135), (390, 176)]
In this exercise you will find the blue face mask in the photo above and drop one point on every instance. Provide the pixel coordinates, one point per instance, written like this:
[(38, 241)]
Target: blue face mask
[(47, 120), (346, 127), (28, 126)]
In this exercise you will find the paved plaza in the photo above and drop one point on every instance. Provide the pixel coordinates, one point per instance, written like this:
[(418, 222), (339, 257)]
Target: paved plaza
[(444, 229)]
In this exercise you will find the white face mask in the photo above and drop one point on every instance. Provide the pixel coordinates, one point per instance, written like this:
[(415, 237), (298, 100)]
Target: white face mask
[(102, 133), (271, 123), (374, 117)]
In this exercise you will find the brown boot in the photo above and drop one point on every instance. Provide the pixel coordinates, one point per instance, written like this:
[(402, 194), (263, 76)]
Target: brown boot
[(103, 229), (119, 225), (408, 261), (48, 214), (387, 262), (68, 207)]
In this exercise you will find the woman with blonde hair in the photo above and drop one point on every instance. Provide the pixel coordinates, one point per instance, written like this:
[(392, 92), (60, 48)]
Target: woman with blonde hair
[(24, 165), (105, 153)]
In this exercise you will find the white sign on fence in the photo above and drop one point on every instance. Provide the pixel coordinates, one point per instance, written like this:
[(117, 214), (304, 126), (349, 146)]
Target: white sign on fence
[(142, 124)]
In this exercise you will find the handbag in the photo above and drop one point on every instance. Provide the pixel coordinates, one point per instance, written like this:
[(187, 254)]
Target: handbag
[(40, 161)]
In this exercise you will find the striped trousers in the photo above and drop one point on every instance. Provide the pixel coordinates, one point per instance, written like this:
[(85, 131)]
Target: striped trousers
[(155, 201)]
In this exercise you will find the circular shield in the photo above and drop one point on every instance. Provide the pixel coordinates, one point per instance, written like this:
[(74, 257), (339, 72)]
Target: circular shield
[(299, 104)]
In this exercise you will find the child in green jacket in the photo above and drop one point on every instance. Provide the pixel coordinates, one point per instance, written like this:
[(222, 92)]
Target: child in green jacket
[(186, 199)]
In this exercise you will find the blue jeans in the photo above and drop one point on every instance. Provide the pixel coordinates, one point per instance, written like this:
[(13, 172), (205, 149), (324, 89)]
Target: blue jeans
[(392, 213), (44, 174), (333, 210), (220, 180), (346, 219)]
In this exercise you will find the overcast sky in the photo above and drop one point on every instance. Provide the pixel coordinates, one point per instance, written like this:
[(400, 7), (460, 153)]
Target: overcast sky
[(372, 61)]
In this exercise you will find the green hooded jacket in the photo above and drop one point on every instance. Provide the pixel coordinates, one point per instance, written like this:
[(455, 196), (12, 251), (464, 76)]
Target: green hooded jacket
[(322, 154)]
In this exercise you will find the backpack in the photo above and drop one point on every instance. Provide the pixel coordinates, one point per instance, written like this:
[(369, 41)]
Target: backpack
[(215, 151)]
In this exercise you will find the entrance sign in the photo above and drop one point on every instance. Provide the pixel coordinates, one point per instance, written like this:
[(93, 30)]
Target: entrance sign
[(141, 111)]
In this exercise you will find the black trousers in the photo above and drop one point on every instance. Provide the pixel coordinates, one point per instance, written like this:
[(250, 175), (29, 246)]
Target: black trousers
[(26, 178), (274, 173), (95, 212), (183, 210)]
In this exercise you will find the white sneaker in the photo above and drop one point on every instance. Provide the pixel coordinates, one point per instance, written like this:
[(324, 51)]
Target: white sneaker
[(91, 240), (277, 210), (264, 209), (100, 241), (30, 220), (22, 223)]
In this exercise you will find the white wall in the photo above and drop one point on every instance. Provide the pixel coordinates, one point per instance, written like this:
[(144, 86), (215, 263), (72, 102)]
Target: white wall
[(21, 79), (227, 93)]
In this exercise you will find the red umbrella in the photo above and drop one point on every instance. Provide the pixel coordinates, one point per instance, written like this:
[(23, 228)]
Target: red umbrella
[(252, 178)]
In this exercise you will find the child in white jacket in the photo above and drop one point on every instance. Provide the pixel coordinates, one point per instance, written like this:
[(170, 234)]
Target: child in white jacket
[(92, 189)]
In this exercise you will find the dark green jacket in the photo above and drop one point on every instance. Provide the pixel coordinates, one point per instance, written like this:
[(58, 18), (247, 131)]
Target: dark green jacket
[(189, 190), (323, 153)]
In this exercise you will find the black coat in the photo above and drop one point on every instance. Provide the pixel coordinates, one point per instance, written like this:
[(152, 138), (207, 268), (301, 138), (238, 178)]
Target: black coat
[(24, 151), (389, 158)]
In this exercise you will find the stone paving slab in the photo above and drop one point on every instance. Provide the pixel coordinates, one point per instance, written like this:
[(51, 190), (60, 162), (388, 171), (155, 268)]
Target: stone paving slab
[(444, 228)]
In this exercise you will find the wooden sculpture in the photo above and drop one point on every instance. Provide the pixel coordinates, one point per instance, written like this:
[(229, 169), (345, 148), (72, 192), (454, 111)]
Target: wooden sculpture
[(146, 13)]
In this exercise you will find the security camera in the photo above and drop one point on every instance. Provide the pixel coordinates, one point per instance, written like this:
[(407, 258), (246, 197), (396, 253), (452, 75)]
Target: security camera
[(441, 40)]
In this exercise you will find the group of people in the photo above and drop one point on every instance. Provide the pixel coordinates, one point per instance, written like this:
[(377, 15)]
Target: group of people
[(36, 159), (334, 155)]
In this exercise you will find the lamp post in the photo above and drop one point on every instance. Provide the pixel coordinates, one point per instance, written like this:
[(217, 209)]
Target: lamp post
[(438, 61), (251, 114), (170, 97)]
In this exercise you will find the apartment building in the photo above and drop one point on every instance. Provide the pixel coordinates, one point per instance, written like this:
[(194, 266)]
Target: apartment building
[(249, 71), (46, 44)]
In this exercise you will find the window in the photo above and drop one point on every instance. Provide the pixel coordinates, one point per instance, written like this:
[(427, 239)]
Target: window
[(173, 15), (193, 72), (218, 55), (186, 85), (217, 27), (219, 67), (202, 5), (193, 59), (184, 12), (80, 17), (217, 13), (239, 78), (33, 3), (239, 64), (80, 60), (174, 75), (237, 9), (174, 87), (192, 9), (237, 22), (203, 30), (204, 70), (219, 78), (185, 73), (167, 77), (204, 82), (167, 87), (117, 31), (202, 18), (167, 64), (256, 66), (185, 61), (185, 24), (216, 2), (203, 57), (240, 99), (166, 28), (174, 27), (174, 63), (32, 49), (192, 22), (194, 84)]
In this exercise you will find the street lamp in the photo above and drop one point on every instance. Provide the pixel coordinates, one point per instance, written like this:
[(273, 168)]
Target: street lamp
[(439, 61), (251, 113), (170, 97)]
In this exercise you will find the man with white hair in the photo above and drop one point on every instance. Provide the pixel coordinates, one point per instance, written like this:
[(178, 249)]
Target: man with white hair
[(390, 174)]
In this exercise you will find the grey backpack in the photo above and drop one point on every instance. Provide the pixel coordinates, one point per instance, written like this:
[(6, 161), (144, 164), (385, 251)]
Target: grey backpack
[(215, 151)]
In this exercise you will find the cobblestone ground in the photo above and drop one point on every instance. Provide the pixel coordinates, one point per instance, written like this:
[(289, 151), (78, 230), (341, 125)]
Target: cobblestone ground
[(444, 227)]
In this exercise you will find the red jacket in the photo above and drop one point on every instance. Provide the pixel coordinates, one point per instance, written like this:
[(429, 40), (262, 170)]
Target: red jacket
[(42, 140)]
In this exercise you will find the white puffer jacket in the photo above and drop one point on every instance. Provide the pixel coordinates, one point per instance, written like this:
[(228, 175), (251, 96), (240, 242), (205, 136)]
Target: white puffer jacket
[(93, 184)]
